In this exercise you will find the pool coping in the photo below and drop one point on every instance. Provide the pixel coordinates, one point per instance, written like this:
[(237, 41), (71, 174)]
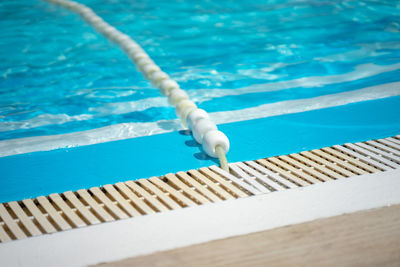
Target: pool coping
[(363, 238)]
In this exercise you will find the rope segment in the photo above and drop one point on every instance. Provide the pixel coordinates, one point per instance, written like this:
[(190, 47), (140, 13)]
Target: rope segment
[(215, 143)]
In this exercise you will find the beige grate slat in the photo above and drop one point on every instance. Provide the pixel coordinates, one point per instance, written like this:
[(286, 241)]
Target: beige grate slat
[(274, 176), (4, 236), (286, 174), (294, 170), (213, 186), (76, 221), (202, 189), (104, 215), (351, 160), (117, 212), (119, 199), (330, 165), (304, 167), (189, 192), (38, 215), (83, 210), (172, 192), (9, 221), (58, 212), (223, 182), (135, 199), (362, 158), (51, 211), (318, 166), (163, 196), (152, 200), (25, 220), (262, 178), (339, 162), (235, 180)]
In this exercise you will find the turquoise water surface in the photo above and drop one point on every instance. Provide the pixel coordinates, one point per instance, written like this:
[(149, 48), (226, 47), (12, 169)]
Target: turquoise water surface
[(278, 77), (59, 76)]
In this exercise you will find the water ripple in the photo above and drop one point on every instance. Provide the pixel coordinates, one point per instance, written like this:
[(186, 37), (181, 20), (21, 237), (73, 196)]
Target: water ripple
[(57, 75)]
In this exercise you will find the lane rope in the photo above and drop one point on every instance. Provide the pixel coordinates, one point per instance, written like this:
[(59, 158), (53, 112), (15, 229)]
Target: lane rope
[(215, 143)]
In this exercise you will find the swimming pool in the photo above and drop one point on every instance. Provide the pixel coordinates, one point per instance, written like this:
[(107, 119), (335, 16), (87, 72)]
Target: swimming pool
[(333, 67)]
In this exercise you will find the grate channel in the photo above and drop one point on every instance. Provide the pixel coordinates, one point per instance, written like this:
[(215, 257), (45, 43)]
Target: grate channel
[(68, 210)]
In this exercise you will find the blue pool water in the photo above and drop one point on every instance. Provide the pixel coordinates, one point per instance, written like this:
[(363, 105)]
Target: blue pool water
[(58, 75), (278, 76)]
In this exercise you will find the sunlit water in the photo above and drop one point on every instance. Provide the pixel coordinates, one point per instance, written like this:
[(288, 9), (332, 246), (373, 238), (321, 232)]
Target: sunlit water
[(60, 76)]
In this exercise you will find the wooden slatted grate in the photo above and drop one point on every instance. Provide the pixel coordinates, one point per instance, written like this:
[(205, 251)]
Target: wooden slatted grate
[(59, 212)]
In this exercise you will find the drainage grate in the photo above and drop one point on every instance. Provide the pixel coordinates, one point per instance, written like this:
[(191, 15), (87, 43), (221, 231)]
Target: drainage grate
[(59, 212)]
